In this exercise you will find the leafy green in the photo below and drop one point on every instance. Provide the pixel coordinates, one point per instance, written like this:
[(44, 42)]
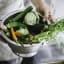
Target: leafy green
[(15, 24), (52, 31), (12, 24)]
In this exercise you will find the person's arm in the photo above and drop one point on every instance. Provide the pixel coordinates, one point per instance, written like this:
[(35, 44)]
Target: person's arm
[(43, 8)]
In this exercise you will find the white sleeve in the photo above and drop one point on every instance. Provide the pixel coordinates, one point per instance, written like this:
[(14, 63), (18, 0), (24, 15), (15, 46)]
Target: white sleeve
[(7, 6)]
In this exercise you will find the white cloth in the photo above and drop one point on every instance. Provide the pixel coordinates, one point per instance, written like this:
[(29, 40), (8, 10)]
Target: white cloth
[(7, 6), (5, 52)]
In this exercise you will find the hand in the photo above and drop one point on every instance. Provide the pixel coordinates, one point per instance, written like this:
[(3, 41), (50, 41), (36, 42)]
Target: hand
[(3, 27), (43, 8)]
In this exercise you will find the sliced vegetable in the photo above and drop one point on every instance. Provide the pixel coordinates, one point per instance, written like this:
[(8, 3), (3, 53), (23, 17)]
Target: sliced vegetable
[(22, 14), (13, 34), (37, 17), (15, 38), (23, 31), (18, 34), (31, 19)]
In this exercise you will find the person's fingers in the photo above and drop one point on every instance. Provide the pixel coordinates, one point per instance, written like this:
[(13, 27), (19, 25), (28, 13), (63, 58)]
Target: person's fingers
[(50, 17), (3, 27), (43, 9)]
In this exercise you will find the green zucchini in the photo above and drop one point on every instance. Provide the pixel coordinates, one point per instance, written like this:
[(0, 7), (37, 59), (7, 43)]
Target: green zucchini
[(22, 14)]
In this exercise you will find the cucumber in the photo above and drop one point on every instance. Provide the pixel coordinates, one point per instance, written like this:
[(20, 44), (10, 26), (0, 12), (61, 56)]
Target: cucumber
[(30, 18), (23, 31), (22, 14)]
